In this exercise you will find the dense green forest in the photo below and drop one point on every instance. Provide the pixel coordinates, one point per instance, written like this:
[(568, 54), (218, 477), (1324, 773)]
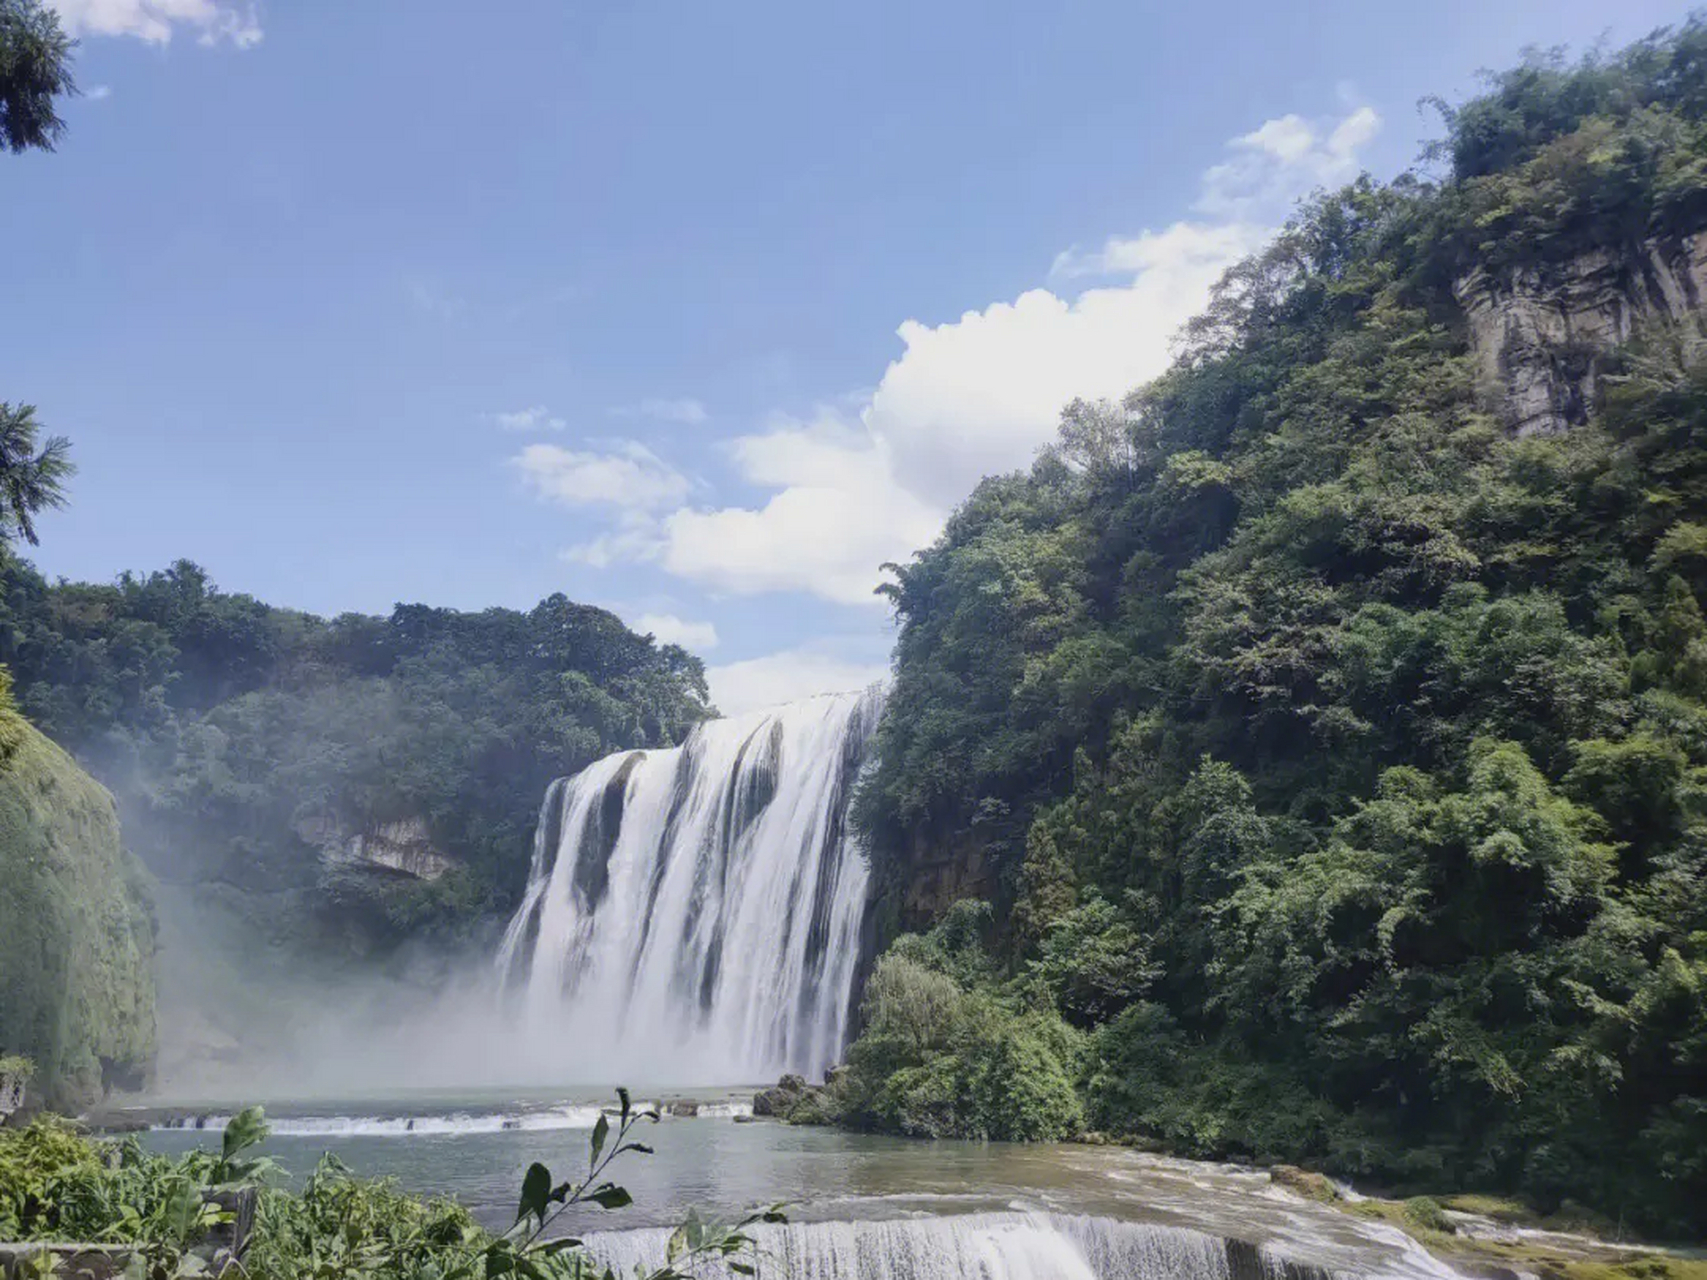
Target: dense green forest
[(76, 925), (1333, 758), (244, 741)]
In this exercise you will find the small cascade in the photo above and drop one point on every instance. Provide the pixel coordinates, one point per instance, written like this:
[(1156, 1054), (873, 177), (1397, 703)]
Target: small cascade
[(979, 1246), (699, 908)]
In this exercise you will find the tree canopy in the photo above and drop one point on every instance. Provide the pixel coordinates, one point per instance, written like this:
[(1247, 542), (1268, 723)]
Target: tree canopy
[(243, 740), (35, 71), (1336, 758)]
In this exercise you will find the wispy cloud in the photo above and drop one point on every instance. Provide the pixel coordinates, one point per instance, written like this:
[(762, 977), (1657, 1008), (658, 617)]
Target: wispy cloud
[(430, 299), (1274, 164), (620, 473), (687, 411), (98, 93), (667, 628), (212, 21), (536, 418)]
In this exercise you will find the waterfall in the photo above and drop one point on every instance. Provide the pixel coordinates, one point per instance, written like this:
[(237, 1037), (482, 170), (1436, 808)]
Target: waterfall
[(982, 1246), (698, 909)]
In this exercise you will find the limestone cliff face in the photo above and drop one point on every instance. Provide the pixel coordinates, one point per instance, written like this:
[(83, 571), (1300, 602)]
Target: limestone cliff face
[(404, 847), (941, 872), (1540, 335), (76, 928)]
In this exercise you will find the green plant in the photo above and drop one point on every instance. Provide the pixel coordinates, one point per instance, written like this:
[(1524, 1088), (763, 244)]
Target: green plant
[(58, 1184)]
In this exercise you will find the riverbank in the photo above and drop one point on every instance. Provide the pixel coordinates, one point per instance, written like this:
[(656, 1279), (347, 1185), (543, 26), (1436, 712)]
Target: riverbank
[(1478, 1234)]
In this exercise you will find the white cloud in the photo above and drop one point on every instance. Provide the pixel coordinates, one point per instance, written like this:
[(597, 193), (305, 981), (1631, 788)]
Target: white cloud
[(837, 515), (666, 628), (785, 677), (626, 474), (638, 540), (537, 418), (978, 395), (687, 411), (1284, 159), (99, 93), (156, 20)]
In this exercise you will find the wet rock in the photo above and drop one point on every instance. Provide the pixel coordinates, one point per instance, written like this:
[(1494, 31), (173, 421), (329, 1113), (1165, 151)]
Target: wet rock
[(684, 1107), (772, 1102), (1312, 1186), (812, 1107), (779, 1101)]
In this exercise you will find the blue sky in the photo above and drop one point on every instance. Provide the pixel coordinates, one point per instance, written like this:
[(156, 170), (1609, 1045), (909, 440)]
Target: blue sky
[(697, 312)]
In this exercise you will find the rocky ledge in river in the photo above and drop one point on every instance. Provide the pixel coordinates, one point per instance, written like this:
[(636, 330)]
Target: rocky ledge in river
[(792, 1099)]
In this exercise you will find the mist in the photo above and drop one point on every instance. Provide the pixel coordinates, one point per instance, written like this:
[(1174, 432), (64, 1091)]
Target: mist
[(692, 918)]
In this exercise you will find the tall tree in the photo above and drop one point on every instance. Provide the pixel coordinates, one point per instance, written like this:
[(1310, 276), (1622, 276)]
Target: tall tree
[(35, 69), (31, 479)]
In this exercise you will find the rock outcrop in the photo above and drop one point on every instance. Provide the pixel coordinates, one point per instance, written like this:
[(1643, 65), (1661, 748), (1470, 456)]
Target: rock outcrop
[(778, 1101), (797, 1102), (77, 934), (405, 847), (11, 1089), (941, 872), (1540, 336)]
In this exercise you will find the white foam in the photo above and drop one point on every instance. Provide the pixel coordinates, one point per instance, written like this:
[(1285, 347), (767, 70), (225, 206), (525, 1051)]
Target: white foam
[(414, 1126), (701, 904)]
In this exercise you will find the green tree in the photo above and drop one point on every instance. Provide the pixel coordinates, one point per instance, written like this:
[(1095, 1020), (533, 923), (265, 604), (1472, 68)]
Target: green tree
[(32, 476), (35, 69), (1336, 759)]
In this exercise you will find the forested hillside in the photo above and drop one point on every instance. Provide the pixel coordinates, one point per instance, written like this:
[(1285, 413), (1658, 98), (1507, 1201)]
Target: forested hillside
[(362, 779), (1327, 722), (76, 925)]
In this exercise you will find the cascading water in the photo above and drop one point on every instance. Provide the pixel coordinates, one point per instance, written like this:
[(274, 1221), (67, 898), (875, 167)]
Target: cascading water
[(987, 1246), (696, 911)]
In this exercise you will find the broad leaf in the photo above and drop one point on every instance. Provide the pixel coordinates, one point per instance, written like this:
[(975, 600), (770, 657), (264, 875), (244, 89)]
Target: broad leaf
[(244, 1130), (536, 1192), (609, 1196), (601, 1131)]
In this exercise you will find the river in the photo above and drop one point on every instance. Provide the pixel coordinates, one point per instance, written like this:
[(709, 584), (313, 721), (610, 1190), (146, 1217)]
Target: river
[(861, 1207)]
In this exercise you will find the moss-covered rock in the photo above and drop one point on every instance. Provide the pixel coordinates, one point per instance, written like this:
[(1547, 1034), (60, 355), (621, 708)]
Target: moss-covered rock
[(76, 926), (1312, 1186), (815, 1106)]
